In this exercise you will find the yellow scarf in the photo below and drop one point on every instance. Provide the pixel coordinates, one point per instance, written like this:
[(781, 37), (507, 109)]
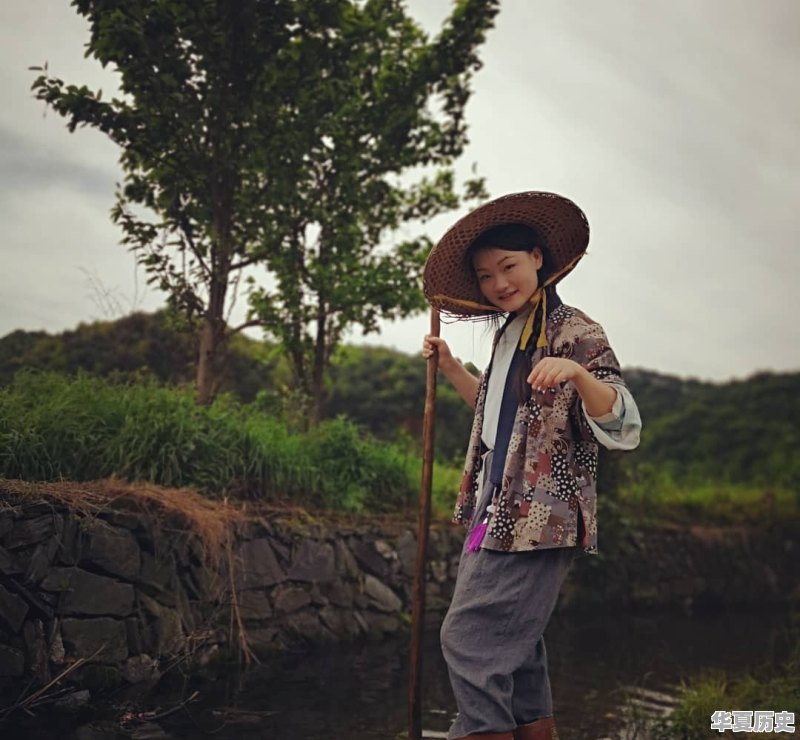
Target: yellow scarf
[(538, 302)]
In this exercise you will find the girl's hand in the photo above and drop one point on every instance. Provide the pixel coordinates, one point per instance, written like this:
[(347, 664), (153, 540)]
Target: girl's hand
[(446, 359), (552, 371)]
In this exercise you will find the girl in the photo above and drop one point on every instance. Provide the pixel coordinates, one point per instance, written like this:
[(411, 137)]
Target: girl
[(552, 392)]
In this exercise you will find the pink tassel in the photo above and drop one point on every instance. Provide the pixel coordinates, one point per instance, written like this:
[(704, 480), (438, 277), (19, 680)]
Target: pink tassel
[(476, 537)]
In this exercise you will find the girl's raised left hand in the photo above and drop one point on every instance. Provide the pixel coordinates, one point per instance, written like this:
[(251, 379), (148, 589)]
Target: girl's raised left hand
[(552, 371)]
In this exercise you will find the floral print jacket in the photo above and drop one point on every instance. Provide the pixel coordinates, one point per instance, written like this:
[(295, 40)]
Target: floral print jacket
[(548, 496)]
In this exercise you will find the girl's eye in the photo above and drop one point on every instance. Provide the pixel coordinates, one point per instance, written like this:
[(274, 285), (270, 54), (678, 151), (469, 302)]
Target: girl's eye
[(508, 267)]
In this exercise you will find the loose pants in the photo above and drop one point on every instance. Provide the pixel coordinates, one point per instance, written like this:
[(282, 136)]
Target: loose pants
[(492, 636)]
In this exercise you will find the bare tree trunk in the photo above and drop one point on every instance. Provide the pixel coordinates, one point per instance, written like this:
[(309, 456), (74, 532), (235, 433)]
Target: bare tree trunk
[(212, 356), (318, 372), (211, 360), (213, 335)]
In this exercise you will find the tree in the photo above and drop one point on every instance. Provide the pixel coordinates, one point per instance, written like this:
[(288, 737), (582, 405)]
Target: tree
[(395, 104), (247, 126)]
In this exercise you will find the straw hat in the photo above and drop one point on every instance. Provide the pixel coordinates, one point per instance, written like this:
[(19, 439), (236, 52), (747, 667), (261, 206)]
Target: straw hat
[(449, 283)]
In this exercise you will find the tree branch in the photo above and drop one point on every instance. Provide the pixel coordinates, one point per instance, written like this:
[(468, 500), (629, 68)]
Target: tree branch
[(186, 227), (244, 263), (246, 325)]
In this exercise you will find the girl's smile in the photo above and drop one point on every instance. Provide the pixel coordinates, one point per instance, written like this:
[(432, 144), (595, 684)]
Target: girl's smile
[(508, 278)]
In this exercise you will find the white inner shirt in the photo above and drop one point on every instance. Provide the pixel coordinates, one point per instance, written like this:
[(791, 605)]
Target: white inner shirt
[(503, 354)]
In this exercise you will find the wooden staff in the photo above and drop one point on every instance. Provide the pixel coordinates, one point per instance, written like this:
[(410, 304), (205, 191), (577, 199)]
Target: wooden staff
[(418, 590)]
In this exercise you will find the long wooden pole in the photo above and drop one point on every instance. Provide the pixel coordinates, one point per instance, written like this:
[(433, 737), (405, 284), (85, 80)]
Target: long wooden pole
[(423, 520)]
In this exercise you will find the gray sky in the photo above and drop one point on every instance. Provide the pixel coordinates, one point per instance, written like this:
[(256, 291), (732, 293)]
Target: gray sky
[(674, 125)]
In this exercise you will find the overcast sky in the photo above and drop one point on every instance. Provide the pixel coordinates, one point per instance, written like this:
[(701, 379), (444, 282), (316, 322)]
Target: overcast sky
[(674, 125)]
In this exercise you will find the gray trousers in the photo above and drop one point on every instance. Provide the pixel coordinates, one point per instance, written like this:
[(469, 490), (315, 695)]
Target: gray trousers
[(492, 636)]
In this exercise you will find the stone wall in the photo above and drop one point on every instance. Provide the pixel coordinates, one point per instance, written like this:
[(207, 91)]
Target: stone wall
[(128, 595), (690, 568)]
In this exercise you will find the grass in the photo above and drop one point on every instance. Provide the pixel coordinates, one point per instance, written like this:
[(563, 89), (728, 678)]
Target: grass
[(699, 698), (56, 427), (655, 497), (444, 487), (770, 687), (82, 428)]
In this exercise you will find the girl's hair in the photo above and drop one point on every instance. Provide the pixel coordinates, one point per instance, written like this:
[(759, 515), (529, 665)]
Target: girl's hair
[(517, 238), (514, 238)]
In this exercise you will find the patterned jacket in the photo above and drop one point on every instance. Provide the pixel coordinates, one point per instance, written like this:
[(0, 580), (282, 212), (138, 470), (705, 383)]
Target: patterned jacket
[(548, 496)]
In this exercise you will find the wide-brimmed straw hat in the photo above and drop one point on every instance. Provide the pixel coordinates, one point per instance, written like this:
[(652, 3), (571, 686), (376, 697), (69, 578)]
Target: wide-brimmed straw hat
[(449, 282)]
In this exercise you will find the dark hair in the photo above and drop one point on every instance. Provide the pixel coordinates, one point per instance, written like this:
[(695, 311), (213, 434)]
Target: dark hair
[(517, 238), (514, 238)]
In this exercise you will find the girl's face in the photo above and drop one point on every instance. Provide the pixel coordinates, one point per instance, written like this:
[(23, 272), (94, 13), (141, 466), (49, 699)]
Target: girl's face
[(507, 278)]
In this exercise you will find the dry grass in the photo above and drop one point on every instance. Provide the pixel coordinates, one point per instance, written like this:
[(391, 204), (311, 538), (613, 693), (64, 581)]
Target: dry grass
[(214, 522), (211, 521)]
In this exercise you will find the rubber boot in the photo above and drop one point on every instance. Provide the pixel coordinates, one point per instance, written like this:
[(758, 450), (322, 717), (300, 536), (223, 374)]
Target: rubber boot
[(542, 729)]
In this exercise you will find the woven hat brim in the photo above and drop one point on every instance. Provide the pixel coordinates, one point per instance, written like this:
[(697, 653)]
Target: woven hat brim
[(562, 225)]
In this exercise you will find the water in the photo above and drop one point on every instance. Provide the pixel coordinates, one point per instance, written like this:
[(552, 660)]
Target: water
[(359, 692)]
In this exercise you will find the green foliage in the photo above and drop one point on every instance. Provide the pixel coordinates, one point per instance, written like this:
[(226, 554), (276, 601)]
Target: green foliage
[(444, 486), (744, 431), (278, 135), (774, 686), (85, 428), (384, 390), (652, 494), (141, 345), (356, 474), (394, 107)]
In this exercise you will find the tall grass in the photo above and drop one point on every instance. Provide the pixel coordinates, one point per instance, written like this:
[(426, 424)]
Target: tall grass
[(84, 428), (770, 687), (703, 695), (774, 687)]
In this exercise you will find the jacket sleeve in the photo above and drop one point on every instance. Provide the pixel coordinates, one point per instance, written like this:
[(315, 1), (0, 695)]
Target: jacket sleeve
[(620, 429), (585, 342)]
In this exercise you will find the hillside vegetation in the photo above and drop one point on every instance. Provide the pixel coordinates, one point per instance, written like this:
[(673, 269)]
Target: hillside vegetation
[(726, 448)]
